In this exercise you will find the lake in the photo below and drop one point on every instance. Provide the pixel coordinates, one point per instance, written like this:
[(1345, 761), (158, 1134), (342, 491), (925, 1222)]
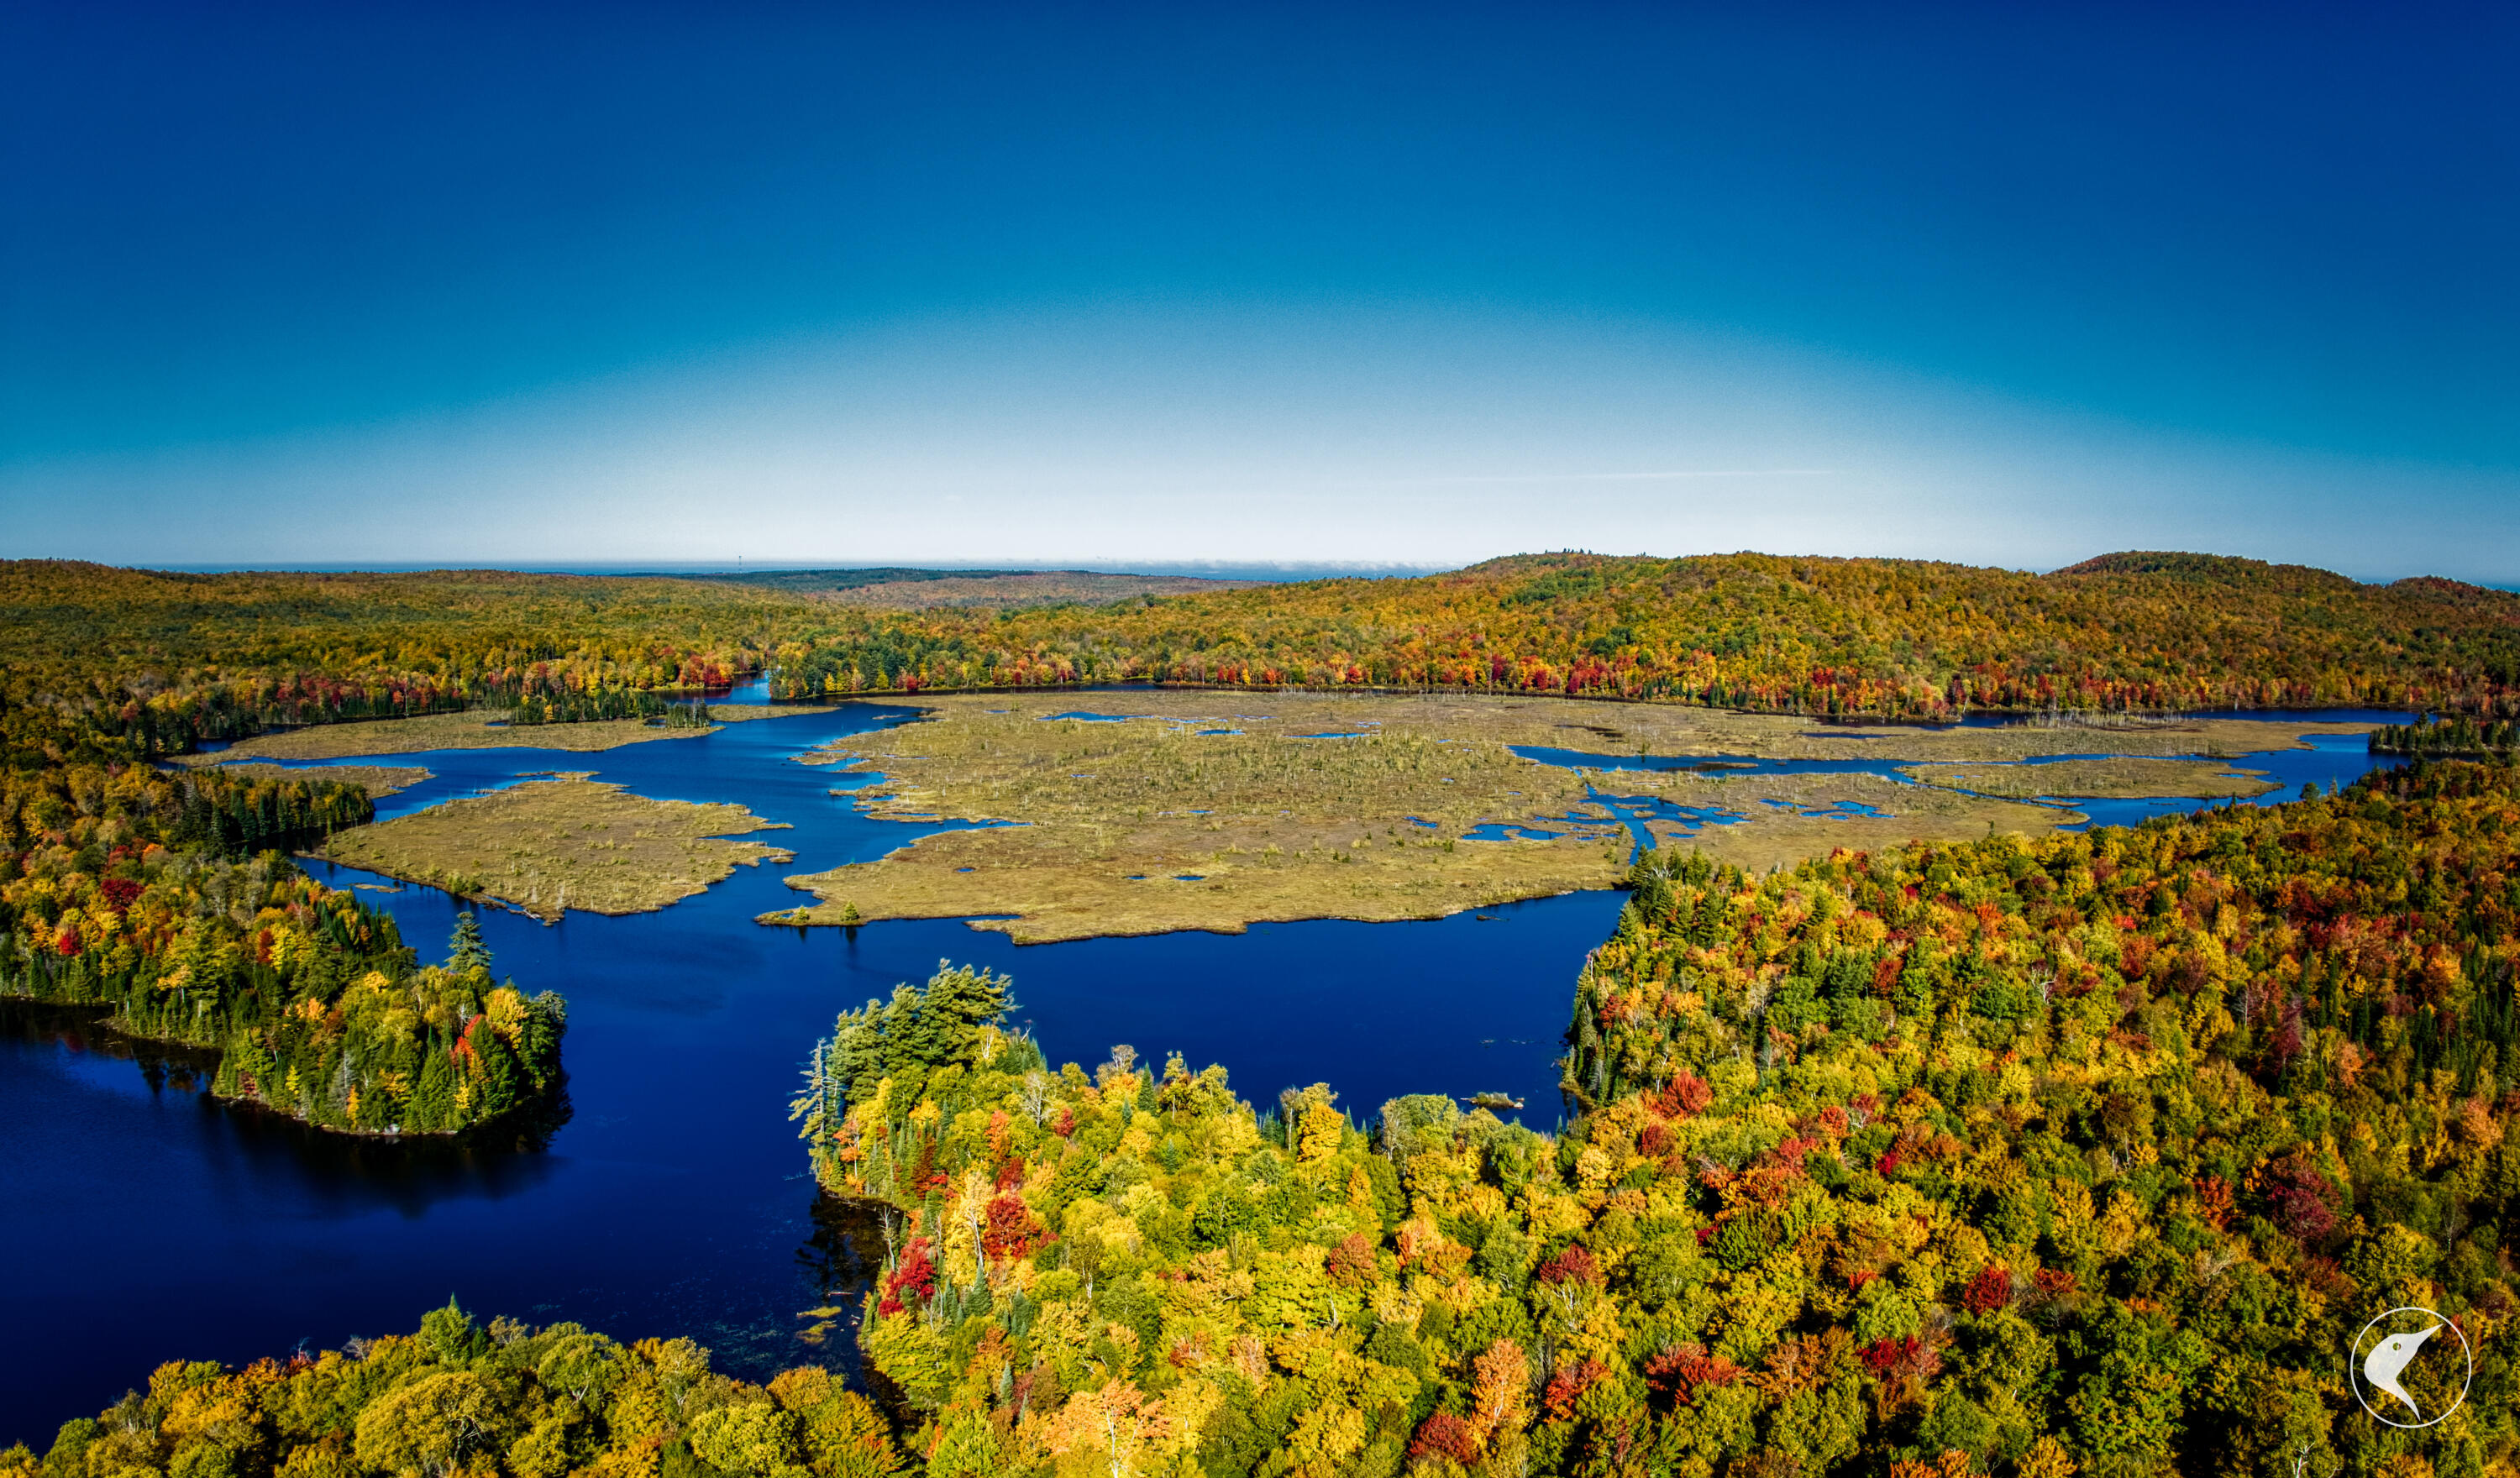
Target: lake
[(145, 1222)]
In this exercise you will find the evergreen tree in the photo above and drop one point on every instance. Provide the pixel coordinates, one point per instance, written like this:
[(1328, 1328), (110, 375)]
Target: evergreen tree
[(503, 1078), (538, 1043), (465, 951), (857, 1057), (432, 1094), (452, 1334), (902, 1040), (957, 1004)]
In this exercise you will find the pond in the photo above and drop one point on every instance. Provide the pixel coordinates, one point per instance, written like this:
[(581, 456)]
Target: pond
[(145, 1221)]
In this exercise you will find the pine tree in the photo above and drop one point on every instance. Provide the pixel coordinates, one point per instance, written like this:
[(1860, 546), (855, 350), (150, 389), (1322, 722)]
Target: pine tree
[(432, 1094), (957, 1002), (465, 951), (538, 1043), (502, 1079), (857, 1057)]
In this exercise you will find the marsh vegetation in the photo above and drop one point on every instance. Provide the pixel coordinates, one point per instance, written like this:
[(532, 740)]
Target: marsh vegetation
[(1213, 818), (564, 842), (1158, 811), (2115, 778)]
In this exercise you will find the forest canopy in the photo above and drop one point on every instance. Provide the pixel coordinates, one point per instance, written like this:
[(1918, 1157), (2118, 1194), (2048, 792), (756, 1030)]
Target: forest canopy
[(171, 658), (458, 1399), (1752, 631), (2085, 1155)]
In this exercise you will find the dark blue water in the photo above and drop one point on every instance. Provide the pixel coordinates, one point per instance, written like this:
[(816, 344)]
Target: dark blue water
[(2330, 761), (143, 1222)]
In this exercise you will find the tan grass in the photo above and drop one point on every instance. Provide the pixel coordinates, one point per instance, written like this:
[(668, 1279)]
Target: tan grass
[(1278, 827), (475, 729), (564, 842), (2113, 778), (1770, 835)]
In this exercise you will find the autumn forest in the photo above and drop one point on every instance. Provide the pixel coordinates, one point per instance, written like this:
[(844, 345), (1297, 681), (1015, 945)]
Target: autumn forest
[(2080, 1155)]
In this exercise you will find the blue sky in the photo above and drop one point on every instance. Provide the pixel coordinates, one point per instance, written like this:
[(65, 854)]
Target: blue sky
[(1385, 285)]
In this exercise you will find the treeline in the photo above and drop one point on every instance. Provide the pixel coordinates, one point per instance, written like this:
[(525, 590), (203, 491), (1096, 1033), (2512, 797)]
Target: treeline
[(459, 1399), (84, 807), (163, 896), (2457, 736), (310, 998), (607, 701), (2085, 1155), (1878, 637), (163, 660)]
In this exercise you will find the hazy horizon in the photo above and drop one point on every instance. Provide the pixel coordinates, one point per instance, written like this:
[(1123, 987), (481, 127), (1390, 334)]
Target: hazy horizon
[(1279, 573)]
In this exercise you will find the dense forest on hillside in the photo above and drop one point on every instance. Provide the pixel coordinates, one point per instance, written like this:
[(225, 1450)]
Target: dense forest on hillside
[(171, 658), (995, 589), (167, 659), (459, 1399), (1752, 631), (2087, 1155)]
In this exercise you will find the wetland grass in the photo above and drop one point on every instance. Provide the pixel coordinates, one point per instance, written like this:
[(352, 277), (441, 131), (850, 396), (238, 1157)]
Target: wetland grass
[(475, 729), (1214, 811), (567, 842), (2117, 778)]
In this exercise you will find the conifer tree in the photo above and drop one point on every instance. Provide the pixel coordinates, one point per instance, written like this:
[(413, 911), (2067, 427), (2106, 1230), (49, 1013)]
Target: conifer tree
[(467, 950), (857, 1057), (432, 1096), (953, 1008)]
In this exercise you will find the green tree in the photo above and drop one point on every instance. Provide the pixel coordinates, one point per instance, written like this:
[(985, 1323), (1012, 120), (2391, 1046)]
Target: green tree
[(467, 951), (451, 1332)]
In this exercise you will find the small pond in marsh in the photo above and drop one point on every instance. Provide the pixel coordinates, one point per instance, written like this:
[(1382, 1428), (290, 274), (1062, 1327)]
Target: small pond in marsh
[(144, 1222)]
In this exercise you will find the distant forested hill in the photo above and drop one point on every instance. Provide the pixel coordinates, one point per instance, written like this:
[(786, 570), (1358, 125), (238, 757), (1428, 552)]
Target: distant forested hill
[(168, 658), (827, 581), (914, 589), (1827, 635), (171, 656)]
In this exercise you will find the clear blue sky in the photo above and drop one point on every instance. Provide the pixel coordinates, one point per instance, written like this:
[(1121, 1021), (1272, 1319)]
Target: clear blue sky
[(2012, 284)]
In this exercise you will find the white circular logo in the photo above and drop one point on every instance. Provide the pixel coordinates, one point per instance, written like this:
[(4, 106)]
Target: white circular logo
[(2400, 1366)]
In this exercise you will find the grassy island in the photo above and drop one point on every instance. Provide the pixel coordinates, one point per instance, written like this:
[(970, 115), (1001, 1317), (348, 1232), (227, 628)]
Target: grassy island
[(1215, 811), (564, 842), (2115, 779), (475, 729), (1166, 821)]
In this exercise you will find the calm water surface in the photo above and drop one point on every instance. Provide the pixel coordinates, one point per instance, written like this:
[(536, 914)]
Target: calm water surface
[(142, 1222)]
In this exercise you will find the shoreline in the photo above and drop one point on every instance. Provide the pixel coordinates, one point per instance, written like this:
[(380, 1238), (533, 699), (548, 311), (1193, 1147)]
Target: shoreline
[(109, 1020)]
